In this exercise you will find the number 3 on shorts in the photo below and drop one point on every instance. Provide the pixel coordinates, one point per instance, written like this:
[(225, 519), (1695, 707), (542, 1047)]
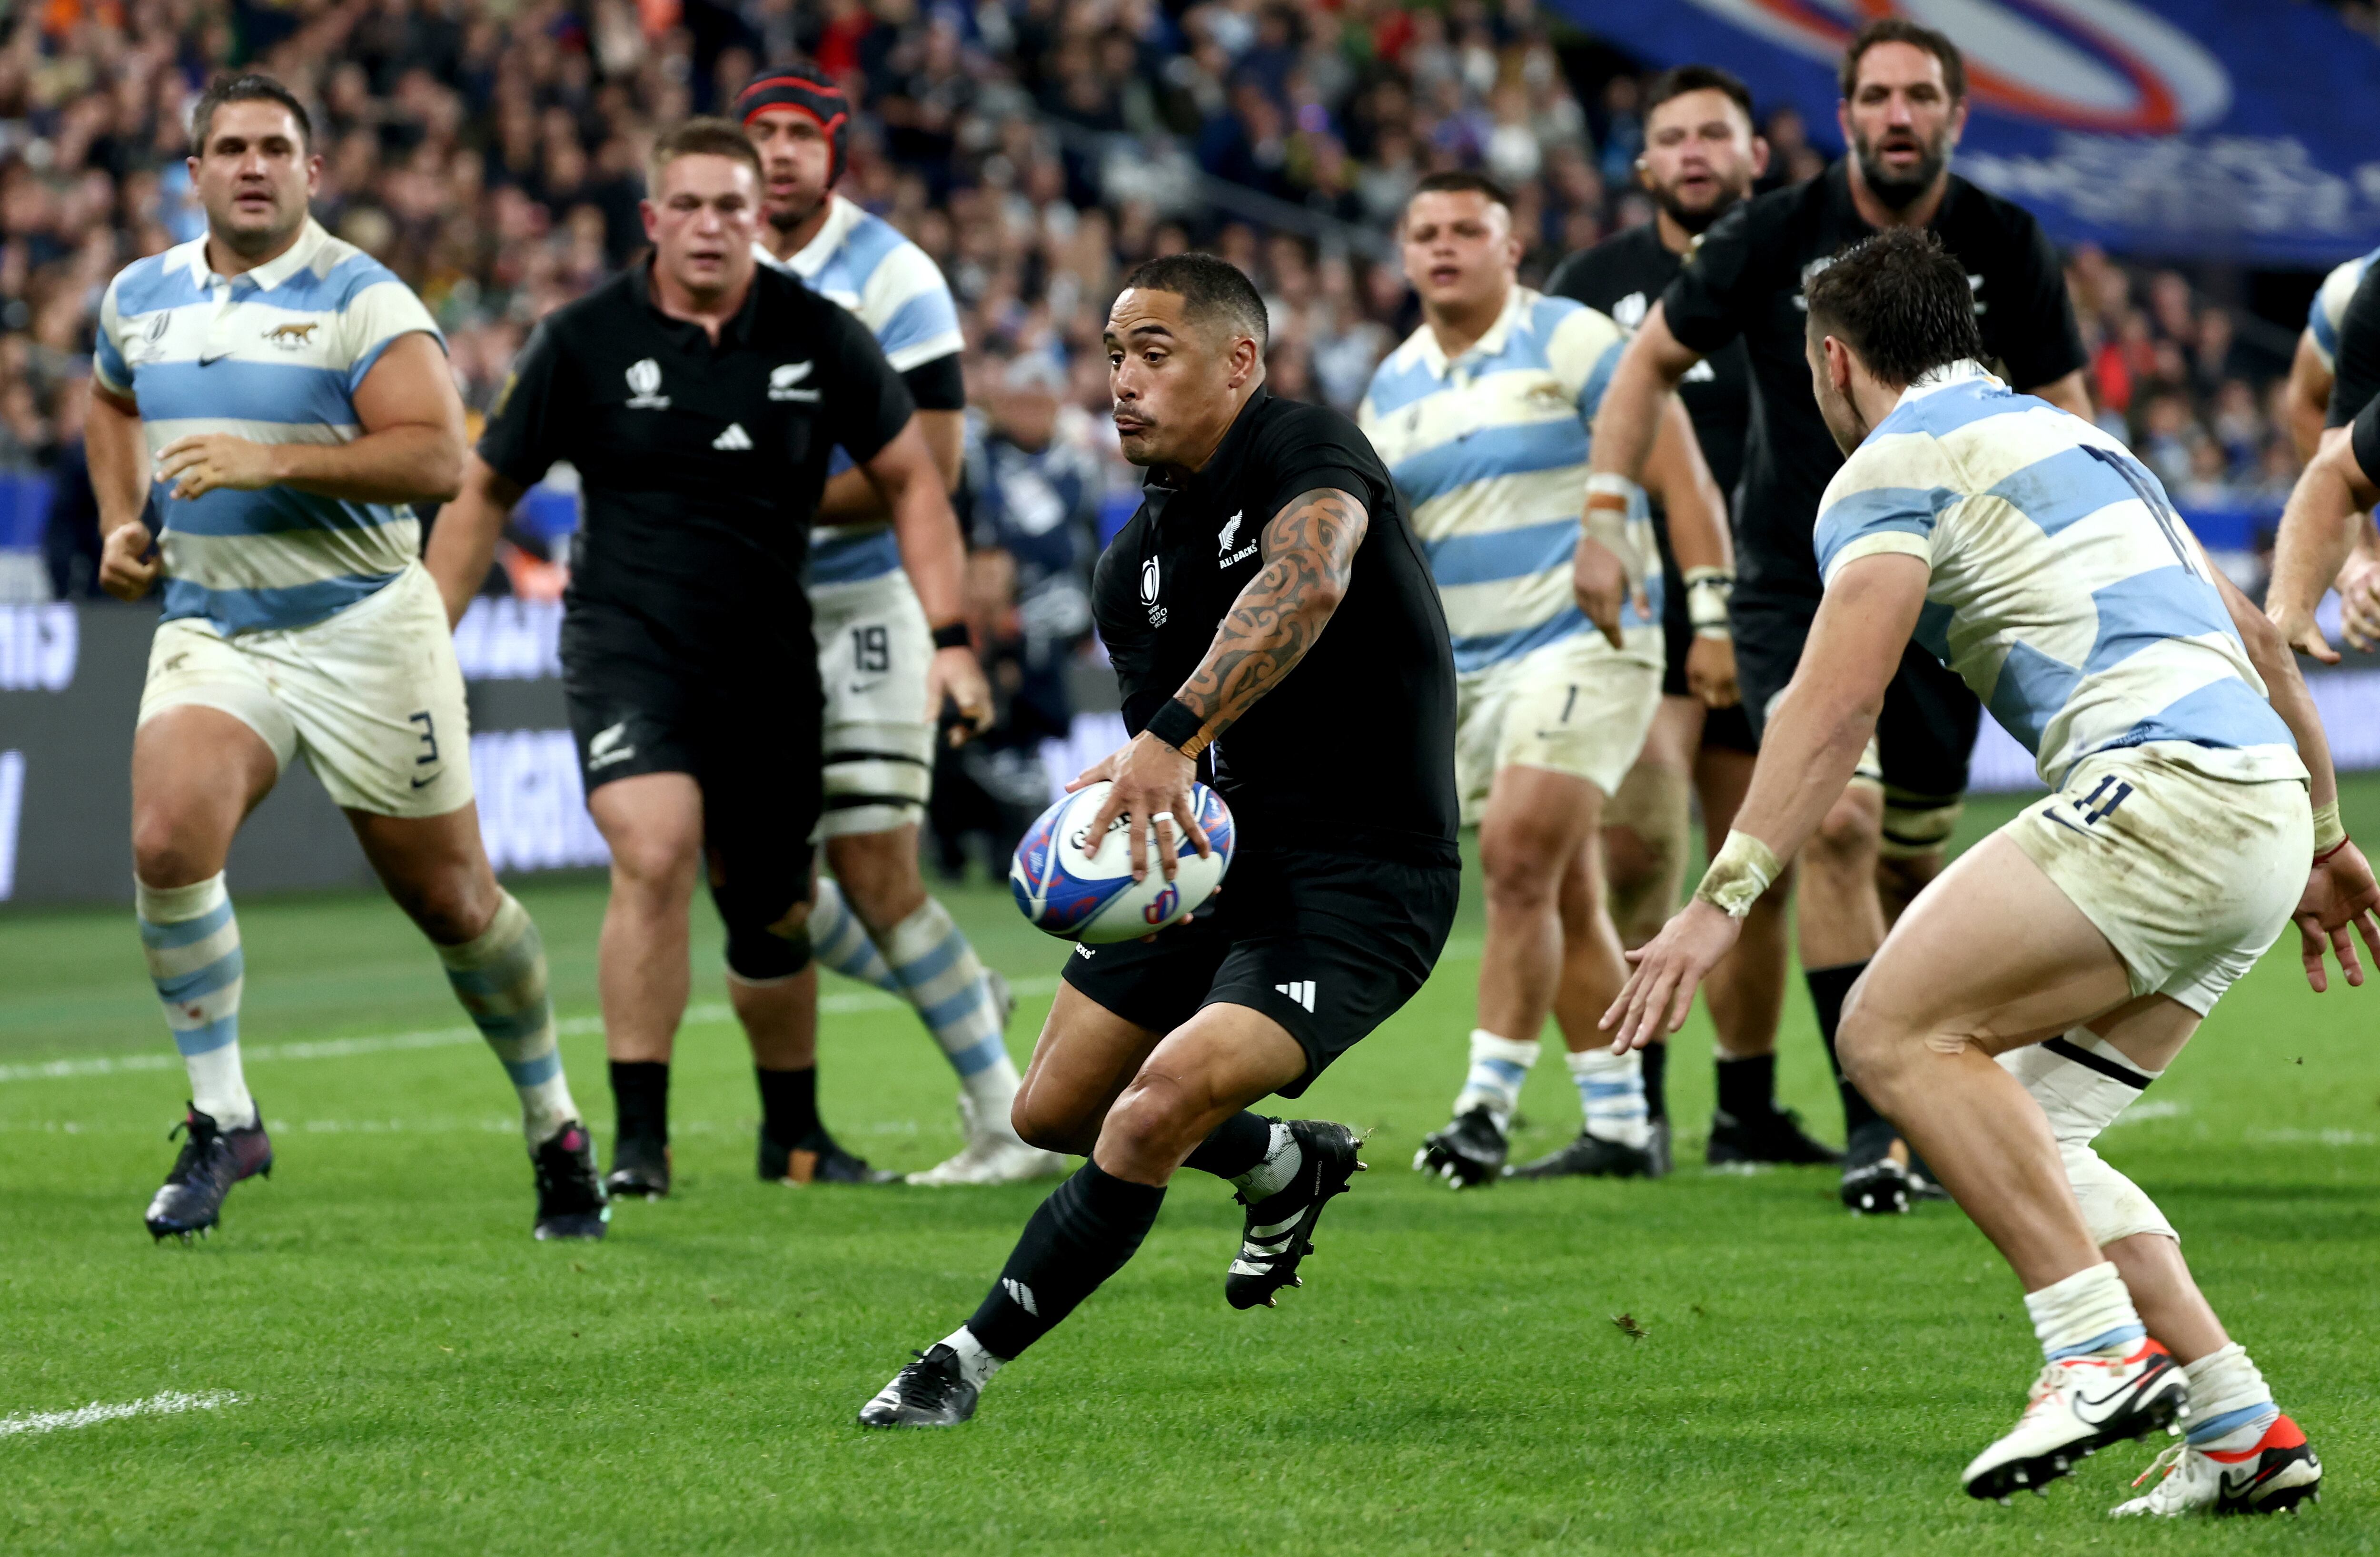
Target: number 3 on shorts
[(429, 738)]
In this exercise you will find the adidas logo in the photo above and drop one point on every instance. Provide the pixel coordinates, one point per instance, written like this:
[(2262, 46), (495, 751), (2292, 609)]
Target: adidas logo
[(733, 439), (1299, 990), (1020, 1295)]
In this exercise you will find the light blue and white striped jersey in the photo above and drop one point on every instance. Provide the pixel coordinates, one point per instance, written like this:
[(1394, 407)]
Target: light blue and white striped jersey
[(274, 355), (2329, 307), (1491, 452), (2066, 591), (862, 261)]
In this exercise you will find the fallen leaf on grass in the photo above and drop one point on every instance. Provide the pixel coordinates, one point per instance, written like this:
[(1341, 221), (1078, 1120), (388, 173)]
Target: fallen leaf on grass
[(1629, 1327)]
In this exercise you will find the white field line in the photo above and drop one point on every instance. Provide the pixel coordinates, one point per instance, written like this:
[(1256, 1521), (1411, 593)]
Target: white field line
[(171, 1403), (705, 1014)]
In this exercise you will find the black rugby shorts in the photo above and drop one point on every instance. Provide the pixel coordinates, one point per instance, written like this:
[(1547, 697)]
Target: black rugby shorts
[(1327, 944), (1725, 727)]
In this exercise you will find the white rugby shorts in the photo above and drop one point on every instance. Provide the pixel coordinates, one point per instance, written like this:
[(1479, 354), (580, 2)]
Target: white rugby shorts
[(373, 695), (1577, 707), (2191, 877), (874, 646)]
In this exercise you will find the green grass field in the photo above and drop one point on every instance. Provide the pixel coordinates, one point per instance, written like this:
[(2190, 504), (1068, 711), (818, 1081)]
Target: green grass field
[(412, 1373)]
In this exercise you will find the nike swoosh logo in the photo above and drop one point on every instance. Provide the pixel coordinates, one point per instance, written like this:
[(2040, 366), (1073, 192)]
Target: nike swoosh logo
[(209, 361), (420, 783), (2062, 822)]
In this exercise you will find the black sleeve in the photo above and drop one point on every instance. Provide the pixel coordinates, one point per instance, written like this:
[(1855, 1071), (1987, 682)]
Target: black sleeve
[(2366, 437), (2356, 379), (1722, 285), (2038, 341), (866, 403), (937, 385), (529, 424), (1318, 448), (1570, 279), (1124, 630)]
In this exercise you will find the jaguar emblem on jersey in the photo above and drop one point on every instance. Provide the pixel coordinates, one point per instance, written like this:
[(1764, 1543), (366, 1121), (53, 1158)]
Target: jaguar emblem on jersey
[(644, 385), (293, 337), (783, 379), (1148, 586)]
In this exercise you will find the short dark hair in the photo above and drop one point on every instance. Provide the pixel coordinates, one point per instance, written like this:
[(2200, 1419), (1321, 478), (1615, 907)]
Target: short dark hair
[(250, 87), (1461, 183), (1900, 29), (1687, 78), (1208, 287), (700, 137), (1900, 301)]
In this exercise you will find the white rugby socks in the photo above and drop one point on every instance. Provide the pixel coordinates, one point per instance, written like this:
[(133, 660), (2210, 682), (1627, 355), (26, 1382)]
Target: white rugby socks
[(191, 943), (1612, 1095), (1499, 1066), (937, 972), (840, 941), (500, 979), (2230, 1406), (975, 1364), (2089, 1312)]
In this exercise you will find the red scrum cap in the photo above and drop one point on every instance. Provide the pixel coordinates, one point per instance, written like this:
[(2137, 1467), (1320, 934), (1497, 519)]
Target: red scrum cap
[(809, 91)]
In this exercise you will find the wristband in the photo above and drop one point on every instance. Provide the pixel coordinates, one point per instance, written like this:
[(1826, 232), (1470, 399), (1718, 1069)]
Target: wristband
[(1175, 724), (1706, 596), (1615, 491), (2329, 832), (1742, 870), (952, 634)]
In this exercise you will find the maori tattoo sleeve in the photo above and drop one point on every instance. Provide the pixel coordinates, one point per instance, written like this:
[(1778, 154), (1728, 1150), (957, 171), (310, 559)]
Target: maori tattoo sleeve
[(1309, 552)]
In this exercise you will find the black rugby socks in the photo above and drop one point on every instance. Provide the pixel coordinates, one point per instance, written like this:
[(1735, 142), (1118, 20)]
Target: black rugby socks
[(1238, 1145), (788, 1104), (641, 1094), (1747, 1087), (1082, 1235), (1827, 987), (1657, 1080)]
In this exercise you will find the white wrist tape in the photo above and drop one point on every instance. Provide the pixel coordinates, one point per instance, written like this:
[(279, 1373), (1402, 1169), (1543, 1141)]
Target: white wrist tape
[(2329, 832), (1707, 590), (1742, 870)]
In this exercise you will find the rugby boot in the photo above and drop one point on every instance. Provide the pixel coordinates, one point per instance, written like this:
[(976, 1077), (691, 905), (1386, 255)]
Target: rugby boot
[(1656, 1149), (1591, 1156), (1774, 1137), (992, 1155), (816, 1159), (2081, 1404), (2276, 1473), (1279, 1230), (570, 1202), (1467, 1153), (211, 1160), (1875, 1183), (930, 1392), (640, 1169)]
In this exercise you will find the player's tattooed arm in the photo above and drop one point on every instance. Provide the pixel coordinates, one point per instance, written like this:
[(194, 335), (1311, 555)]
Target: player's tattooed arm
[(1309, 554)]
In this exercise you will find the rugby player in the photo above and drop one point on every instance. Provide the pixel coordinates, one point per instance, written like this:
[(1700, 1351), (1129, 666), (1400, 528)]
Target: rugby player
[(874, 921), (1701, 160), (2081, 945), (1266, 522), (2327, 518), (284, 400), (699, 393), (1481, 417), (1904, 107), (2339, 355)]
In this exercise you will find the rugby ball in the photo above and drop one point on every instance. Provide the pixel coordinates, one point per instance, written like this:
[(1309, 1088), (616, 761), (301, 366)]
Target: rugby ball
[(1080, 888)]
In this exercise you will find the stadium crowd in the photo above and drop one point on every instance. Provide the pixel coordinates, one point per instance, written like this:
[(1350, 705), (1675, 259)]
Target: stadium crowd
[(490, 153)]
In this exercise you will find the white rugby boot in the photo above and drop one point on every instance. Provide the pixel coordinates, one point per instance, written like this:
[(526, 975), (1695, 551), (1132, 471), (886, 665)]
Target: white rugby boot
[(2273, 1473), (993, 1154), (2080, 1406)]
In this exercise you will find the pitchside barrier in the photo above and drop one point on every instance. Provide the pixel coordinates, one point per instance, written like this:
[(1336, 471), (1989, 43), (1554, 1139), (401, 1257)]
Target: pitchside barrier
[(71, 685)]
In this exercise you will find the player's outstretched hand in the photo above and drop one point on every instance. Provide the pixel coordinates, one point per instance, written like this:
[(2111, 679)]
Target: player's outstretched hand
[(1152, 795), (1710, 672), (1599, 582), (2299, 630), (1660, 990), (957, 674), (128, 561), (207, 462), (2340, 892), (2359, 605)]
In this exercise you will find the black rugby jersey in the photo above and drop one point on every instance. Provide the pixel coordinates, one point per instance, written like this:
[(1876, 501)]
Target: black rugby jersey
[(1355, 749), (1625, 276), (1745, 279), (700, 465), (2356, 360)]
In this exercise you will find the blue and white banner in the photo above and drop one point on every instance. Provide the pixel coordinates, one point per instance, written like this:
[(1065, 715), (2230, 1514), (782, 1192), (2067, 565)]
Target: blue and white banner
[(2210, 129)]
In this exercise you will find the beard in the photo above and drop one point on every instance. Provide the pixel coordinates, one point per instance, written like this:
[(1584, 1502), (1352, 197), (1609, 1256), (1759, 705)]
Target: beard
[(1689, 218), (1897, 192), (784, 219)]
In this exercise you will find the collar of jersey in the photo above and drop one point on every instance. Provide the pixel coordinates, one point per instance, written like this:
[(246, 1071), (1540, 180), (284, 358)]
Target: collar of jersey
[(739, 329), (274, 271), (841, 217), (1966, 370), (1433, 355)]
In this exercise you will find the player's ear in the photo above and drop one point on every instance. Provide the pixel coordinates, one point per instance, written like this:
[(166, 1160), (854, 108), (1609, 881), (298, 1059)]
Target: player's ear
[(652, 214), (1759, 156)]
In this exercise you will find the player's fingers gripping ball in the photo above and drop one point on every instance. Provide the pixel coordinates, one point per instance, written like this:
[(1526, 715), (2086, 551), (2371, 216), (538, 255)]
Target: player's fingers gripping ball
[(1080, 889)]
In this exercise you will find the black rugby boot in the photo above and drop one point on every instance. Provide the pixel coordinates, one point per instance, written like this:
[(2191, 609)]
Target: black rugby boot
[(570, 1202), (1873, 1183), (1466, 1153), (817, 1160), (640, 1169), (930, 1392), (1279, 1229), (1774, 1137), (1591, 1156), (213, 1159)]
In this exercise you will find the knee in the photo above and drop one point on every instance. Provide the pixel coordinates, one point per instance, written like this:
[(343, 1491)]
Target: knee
[(164, 852), (1154, 1117), (1869, 1049), (1038, 1124), (453, 907), (877, 873), (1524, 866), (1846, 840), (657, 863)]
